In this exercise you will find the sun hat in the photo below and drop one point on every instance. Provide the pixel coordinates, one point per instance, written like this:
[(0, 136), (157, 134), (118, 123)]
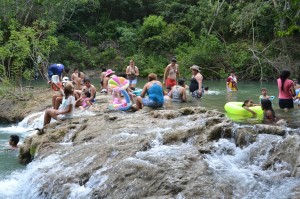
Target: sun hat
[(65, 79), (108, 72), (195, 67), (69, 86)]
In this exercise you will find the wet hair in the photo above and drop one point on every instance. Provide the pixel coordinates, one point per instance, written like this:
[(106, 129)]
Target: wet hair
[(266, 105), (283, 76), (245, 102), (15, 138), (181, 82), (206, 88), (75, 69), (152, 76), (67, 69)]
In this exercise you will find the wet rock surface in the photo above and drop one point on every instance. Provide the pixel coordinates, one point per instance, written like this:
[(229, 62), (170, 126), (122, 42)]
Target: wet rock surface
[(145, 154)]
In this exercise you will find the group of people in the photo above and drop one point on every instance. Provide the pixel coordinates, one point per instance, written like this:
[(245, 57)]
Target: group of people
[(79, 92), (288, 94)]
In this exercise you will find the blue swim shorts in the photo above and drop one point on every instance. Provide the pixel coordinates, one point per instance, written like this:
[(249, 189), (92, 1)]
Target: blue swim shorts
[(133, 81), (148, 102)]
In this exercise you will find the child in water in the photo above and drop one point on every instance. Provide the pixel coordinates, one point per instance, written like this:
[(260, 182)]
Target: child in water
[(13, 142), (269, 113), (249, 103), (264, 95), (297, 99)]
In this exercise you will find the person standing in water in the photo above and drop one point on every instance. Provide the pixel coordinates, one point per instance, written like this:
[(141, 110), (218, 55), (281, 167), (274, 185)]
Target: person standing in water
[(171, 74), (231, 82), (132, 72), (286, 90), (196, 82)]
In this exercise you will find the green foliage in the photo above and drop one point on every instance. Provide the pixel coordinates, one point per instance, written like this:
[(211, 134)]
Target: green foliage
[(247, 36), (152, 26), (128, 40), (150, 64), (28, 74), (205, 52), (175, 35)]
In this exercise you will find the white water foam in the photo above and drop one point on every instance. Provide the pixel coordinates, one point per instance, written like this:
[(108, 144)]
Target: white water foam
[(242, 169)]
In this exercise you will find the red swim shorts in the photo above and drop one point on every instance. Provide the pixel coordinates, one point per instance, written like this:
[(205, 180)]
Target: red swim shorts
[(170, 83)]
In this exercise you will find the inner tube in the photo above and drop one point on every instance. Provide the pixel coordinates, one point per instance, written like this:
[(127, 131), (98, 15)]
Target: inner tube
[(270, 97), (122, 106), (237, 109), (116, 82)]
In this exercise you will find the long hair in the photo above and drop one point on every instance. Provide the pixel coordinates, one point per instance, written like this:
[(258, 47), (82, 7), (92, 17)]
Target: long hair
[(283, 76), (245, 102)]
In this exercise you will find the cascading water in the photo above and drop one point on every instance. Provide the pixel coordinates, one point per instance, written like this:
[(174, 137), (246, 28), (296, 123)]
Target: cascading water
[(243, 170), (69, 171)]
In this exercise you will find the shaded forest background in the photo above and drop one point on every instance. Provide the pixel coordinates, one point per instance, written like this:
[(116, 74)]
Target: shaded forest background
[(255, 38)]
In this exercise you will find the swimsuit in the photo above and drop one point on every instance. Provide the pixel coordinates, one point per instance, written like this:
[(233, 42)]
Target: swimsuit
[(176, 95), (155, 96)]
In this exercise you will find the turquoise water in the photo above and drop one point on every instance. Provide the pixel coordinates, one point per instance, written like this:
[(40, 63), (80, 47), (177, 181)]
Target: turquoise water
[(8, 158), (218, 96)]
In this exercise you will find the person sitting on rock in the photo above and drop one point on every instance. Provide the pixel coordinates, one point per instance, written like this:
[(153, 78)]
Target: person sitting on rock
[(108, 75), (57, 97), (65, 110), (154, 91), (85, 100)]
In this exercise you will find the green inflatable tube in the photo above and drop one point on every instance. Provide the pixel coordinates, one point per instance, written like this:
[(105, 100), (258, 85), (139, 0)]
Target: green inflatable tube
[(237, 109)]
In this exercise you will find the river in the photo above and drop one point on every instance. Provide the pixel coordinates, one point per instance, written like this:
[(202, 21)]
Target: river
[(13, 175)]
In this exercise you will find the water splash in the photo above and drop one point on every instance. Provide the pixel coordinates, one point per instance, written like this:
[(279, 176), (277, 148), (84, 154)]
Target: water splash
[(242, 169)]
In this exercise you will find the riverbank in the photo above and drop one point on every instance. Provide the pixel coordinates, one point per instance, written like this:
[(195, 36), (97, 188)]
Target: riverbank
[(13, 110)]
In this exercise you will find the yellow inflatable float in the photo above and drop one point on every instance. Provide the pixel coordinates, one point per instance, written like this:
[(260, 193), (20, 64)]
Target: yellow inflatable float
[(237, 109)]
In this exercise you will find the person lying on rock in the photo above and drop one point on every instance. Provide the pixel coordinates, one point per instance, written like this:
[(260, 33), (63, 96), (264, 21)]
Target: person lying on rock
[(66, 108)]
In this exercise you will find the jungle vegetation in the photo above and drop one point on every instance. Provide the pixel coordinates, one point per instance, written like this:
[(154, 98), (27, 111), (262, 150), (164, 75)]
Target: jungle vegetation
[(255, 38)]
